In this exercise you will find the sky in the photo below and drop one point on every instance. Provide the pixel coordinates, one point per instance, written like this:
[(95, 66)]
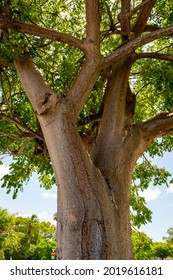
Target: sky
[(33, 199), (43, 203)]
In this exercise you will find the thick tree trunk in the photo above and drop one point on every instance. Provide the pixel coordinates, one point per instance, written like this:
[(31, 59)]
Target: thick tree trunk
[(93, 223), (93, 218)]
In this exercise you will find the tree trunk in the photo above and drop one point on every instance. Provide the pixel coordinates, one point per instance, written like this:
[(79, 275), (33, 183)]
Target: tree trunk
[(92, 223), (94, 190), (93, 206)]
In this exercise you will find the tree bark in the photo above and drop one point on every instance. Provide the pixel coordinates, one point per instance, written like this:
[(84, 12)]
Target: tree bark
[(94, 220)]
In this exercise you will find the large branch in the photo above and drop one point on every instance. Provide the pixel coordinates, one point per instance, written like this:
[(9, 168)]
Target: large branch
[(155, 55), (90, 70), (84, 83), (138, 7), (142, 17), (6, 23), (92, 22), (128, 48), (41, 96), (160, 125), (140, 135), (125, 17)]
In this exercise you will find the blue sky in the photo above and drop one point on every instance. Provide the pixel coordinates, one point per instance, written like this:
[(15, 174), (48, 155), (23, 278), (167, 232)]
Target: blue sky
[(33, 199), (36, 200)]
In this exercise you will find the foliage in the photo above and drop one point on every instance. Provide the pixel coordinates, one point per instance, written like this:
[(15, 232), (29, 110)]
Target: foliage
[(169, 237), (162, 250), (145, 249), (142, 246), (25, 238), (28, 239)]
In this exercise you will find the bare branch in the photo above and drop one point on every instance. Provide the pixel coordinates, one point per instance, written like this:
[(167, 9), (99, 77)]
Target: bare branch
[(91, 119), (13, 136), (124, 17), (116, 30), (138, 7), (112, 25), (150, 28), (84, 82), (134, 44), (162, 56), (113, 30), (41, 96), (142, 17), (160, 125), (20, 151), (92, 22), (35, 30), (22, 125)]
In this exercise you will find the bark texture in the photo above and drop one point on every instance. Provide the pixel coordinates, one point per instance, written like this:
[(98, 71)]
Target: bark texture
[(90, 206)]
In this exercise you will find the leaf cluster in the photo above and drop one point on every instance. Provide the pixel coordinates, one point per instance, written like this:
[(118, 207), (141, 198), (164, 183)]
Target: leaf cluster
[(145, 174), (145, 249)]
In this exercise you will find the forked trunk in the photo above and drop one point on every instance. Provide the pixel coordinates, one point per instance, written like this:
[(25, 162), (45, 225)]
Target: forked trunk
[(93, 223), (93, 195)]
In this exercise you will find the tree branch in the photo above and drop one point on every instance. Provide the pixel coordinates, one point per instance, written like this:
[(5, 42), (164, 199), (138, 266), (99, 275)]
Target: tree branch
[(112, 25), (124, 18), (90, 70), (150, 28), (13, 136), (84, 82), (162, 56), (41, 96), (93, 22), (35, 30), (4, 63), (128, 48), (91, 119), (142, 17), (138, 7), (29, 133), (21, 149), (160, 125)]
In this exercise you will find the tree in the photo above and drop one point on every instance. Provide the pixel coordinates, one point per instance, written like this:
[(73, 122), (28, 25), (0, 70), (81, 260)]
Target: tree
[(169, 237), (25, 238), (162, 250), (7, 234), (101, 97), (142, 246)]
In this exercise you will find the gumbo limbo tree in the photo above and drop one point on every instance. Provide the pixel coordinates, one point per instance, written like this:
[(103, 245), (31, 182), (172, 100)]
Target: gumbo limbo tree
[(86, 89)]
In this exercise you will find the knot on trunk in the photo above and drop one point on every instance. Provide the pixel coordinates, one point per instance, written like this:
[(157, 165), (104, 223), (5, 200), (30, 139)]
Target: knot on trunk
[(48, 104)]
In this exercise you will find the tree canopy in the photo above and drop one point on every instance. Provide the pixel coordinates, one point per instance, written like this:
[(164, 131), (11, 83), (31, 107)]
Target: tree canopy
[(75, 45)]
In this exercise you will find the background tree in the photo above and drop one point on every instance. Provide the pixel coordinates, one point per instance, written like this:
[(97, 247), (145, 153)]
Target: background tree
[(101, 97), (142, 246), (162, 250), (169, 237), (8, 237), (25, 238)]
